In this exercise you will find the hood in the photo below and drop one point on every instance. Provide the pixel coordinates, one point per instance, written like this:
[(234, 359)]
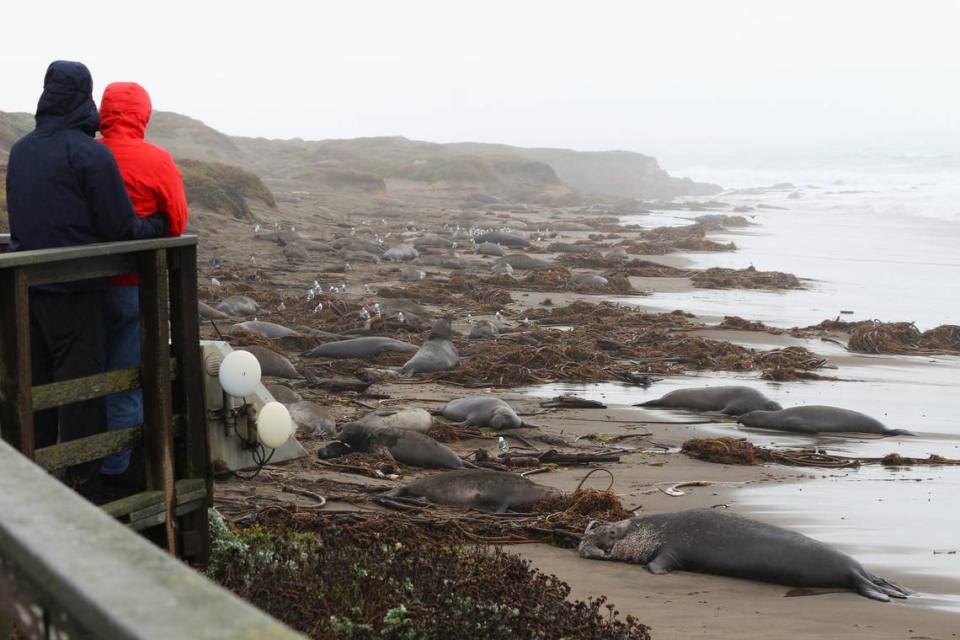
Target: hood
[(124, 110), (67, 98)]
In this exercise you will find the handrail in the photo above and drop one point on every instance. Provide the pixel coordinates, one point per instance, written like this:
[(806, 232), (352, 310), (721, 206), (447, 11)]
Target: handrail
[(93, 577), (65, 254)]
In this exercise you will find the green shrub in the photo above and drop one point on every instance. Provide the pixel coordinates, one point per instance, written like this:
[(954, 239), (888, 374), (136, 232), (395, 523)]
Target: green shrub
[(223, 187), (331, 583)]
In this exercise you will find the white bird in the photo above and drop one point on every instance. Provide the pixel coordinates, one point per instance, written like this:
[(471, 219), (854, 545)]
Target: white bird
[(333, 288), (215, 282), (256, 229), (364, 314), (318, 308), (400, 317), (367, 289), (525, 321), (253, 260), (347, 267), (377, 310), (310, 295), (283, 306), (502, 444), (469, 317), (499, 316)]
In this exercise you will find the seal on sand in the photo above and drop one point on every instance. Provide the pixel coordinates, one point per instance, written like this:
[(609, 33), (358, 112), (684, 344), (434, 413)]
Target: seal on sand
[(490, 249), (484, 330), (209, 313), (401, 252), (523, 262), (732, 400), (481, 489), (484, 411), (282, 394), (721, 543), (311, 418), (404, 446), (502, 238), (239, 306), (264, 329), (818, 419), (409, 418), (436, 354), (359, 348), (272, 363)]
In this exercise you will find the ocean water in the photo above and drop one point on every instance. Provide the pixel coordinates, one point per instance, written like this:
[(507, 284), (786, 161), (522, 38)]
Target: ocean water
[(881, 240), (879, 236)]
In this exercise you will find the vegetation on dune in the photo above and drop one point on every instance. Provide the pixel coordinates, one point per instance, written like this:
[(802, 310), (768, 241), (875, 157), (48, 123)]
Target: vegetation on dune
[(4, 220), (328, 583), (223, 188), (13, 126)]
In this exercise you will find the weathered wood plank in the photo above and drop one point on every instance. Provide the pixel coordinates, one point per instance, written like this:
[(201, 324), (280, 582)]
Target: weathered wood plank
[(108, 582), (155, 371), (186, 490), (67, 454), (91, 267), (57, 394), (77, 254), (16, 407), (188, 395)]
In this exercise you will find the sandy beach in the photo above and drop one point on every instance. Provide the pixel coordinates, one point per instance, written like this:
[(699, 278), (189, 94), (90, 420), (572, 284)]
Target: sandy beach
[(861, 511)]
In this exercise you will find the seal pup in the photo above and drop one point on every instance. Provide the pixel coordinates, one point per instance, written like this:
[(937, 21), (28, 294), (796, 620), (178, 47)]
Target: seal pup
[(360, 348), (589, 280), (486, 411), (490, 249), (523, 262), (405, 446), (502, 238), (481, 489), (436, 354), (721, 543), (818, 419), (502, 268), (732, 400), (484, 330), (409, 418), (272, 363), (239, 306), (311, 418), (283, 394), (295, 253), (264, 329), (401, 252)]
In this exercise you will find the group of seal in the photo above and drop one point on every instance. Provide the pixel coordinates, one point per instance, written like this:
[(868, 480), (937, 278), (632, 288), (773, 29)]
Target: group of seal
[(753, 409)]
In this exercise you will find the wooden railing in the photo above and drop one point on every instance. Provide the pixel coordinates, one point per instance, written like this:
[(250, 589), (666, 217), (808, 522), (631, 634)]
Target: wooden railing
[(68, 568)]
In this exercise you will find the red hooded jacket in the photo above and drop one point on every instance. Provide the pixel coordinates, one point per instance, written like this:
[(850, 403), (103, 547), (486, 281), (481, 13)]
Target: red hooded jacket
[(152, 179)]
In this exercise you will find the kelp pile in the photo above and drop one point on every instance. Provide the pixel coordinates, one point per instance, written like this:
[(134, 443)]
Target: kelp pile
[(903, 338), (749, 278), (365, 576), (741, 324)]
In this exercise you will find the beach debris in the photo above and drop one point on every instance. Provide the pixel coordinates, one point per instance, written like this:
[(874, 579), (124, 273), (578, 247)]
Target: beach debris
[(570, 401), (749, 278)]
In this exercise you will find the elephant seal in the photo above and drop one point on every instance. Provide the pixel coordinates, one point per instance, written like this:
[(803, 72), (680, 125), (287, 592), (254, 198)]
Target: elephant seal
[(589, 280), (239, 306), (522, 262), (360, 256), (311, 418), (564, 247), (409, 418), (413, 275), (401, 252), (295, 253), (490, 249), (721, 543), (484, 411), (283, 394), (356, 244), (502, 238), (447, 262), (434, 241), (484, 330), (436, 354), (264, 329), (359, 348), (406, 447), (503, 268), (733, 400), (209, 313), (818, 419), (272, 363), (480, 489), (617, 252)]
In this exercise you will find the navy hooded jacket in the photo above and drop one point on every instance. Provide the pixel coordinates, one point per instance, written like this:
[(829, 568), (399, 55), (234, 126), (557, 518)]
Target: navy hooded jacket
[(63, 187)]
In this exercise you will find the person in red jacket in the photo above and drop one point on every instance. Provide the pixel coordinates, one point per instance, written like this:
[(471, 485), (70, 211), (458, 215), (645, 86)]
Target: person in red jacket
[(154, 184)]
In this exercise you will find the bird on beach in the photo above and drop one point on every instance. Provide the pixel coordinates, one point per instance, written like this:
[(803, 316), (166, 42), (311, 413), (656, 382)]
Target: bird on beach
[(215, 282), (318, 308), (400, 317)]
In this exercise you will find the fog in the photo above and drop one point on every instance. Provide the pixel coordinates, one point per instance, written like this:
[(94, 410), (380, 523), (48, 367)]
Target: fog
[(680, 79)]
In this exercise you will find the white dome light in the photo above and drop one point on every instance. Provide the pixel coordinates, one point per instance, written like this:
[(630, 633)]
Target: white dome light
[(274, 425), (239, 373)]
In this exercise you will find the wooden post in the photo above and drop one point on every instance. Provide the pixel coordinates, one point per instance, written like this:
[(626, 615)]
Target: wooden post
[(16, 404), (155, 363), (188, 394)]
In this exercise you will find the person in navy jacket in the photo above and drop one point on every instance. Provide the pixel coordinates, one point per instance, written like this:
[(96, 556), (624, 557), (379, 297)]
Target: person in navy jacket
[(64, 190)]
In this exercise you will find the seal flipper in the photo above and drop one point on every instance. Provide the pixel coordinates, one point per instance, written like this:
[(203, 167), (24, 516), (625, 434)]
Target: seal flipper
[(662, 564), (649, 403), (877, 588), (898, 432)]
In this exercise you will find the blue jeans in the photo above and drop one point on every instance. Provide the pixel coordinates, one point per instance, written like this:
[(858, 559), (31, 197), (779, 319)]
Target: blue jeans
[(121, 311)]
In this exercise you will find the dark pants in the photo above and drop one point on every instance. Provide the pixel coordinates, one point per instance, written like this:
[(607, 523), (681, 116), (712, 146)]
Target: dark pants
[(66, 341)]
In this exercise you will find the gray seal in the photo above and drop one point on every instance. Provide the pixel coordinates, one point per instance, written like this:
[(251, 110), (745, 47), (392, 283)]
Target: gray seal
[(721, 543), (484, 330), (405, 446), (360, 348), (264, 329), (295, 253), (409, 418), (239, 306), (311, 418), (283, 394), (401, 252), (484, 411), (490, 249), (589, 280), (523, 262), (502, 238), (480, 489), (272, 363), (818, 419), (209, 313), (436, 354), (732, 400), (502, 268)]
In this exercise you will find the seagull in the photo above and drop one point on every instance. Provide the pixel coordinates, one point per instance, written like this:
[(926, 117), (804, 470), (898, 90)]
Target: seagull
[(400, 317), (215, 282), (256, 229), (364, 314), (525, 322), (469, 317), (253, 260), (310, 295), (283, 306), (377, 310), (367, 289), (499, 316), (318, 308), (502, 444)]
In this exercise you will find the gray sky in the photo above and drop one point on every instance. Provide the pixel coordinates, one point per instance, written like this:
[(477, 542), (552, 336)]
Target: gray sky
[(665, 77)]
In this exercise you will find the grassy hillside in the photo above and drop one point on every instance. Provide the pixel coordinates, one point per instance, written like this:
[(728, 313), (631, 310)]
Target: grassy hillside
[(223, 188), (12, 127)]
